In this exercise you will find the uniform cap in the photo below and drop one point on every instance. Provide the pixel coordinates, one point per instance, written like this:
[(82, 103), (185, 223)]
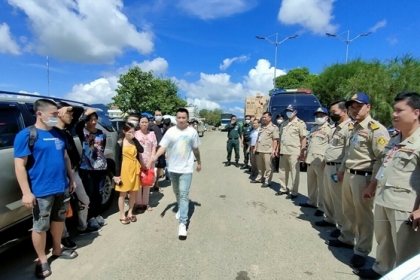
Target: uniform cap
[(321, 110), (290, 108), (359, 97)]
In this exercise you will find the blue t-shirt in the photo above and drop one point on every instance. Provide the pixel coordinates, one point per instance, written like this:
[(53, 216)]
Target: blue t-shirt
[(48, 175)]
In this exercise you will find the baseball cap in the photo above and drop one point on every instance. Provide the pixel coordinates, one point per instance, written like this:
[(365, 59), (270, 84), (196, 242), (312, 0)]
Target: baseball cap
[(321, 110), (290, 108), (359, 97)]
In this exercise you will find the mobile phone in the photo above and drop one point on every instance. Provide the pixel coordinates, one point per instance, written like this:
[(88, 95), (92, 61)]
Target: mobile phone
[(334, 177)]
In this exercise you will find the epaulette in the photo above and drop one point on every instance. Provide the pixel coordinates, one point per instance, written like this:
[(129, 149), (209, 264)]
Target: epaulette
[(299, 120), (351, 126), (373, 125)]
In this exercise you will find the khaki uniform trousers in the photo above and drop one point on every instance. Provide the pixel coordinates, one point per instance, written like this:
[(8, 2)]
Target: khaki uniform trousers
[(253, 160), (289, 163), (333, 206), (358, 212), (315, 177), (265, 173), (397, 242)]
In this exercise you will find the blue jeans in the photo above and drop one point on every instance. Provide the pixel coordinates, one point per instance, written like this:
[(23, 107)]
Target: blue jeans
[(181, 184)]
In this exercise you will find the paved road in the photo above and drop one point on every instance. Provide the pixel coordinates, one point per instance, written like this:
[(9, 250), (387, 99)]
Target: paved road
[(237, 231)]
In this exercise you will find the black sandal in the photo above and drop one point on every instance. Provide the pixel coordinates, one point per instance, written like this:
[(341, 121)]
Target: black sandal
[(40, 268)]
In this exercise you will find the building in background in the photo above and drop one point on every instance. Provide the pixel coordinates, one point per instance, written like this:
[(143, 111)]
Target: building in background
[(254, 105)]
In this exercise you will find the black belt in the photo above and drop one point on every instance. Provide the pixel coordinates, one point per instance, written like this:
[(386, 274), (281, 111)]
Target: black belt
[(233, 138), (359, 172), (332, 163)]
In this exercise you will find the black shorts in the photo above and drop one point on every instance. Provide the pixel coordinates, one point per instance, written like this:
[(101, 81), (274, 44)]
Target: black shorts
[(161, 162)]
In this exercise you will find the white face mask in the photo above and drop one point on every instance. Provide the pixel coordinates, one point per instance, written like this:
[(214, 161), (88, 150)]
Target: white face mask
[(51, 121), (320, 120), (134, 123), (158, 118), (247, 121), (279, 121), (289, 114)]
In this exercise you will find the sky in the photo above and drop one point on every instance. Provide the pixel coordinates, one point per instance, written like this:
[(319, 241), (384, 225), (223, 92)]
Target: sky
[(208, 47)]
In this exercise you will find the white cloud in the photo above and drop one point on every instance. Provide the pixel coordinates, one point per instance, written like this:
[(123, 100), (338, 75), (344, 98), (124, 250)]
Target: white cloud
[(7, 44), (392, 40), (314, 15), (82, 30), (219, 88), (103, 89), (203, 104), (378, 25), (211, 9), (228, 61)]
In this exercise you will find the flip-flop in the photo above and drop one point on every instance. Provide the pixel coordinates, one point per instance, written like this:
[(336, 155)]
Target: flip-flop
[(133, 219), (40, 268), (66, 254), (125, 221), (149, 208)]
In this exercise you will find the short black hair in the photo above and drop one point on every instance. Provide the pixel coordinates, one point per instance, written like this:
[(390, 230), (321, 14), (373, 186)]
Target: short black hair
[(267, 113), (143, 117), (158, 109), (127, 126), (134, 115), (412, 98), (279, 115), (182, 110), (167, 122), (247, 116), (233, 116), (88, 117), (341, 104), (63, 104), (42, 104)]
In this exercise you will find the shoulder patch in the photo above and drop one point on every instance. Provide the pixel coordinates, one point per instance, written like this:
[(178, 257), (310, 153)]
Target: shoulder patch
[(351, 126), (382, 141), (373, 126)]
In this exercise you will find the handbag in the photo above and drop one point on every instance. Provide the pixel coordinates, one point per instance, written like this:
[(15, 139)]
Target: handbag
[(147, 177)]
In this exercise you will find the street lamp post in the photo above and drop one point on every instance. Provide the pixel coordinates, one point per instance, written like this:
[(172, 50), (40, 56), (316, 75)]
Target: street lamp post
[(347, 41), (276, 44)]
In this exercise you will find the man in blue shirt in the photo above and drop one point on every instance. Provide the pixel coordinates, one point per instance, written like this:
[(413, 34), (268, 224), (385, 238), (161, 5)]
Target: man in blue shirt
[(42, 171)]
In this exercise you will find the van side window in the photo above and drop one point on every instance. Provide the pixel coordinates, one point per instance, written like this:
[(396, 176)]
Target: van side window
[(9, 126), (104, 121)]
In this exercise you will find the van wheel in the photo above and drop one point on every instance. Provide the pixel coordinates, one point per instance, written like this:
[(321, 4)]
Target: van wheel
[(107, 191), (202, 134)]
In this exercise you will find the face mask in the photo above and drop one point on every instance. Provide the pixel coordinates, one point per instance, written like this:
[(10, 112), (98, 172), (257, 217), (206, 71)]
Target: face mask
[(279, 121), (134, 123), (320, 120), (51, 121), (158, 118), (247, 121), (289, 115), (335, 117)]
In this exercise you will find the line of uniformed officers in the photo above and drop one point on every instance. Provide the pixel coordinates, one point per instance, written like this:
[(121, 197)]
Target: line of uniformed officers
[(359, 179)]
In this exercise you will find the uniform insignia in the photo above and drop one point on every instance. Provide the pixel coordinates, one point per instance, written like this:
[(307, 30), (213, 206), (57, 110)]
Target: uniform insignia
[(351, 126), (407, 150), (363, 133), (380, 134), (382, 141), (373, 126)]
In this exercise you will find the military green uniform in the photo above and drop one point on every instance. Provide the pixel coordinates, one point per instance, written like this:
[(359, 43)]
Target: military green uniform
[(246, 134), (362, 159), (234, 132), (396, 193)]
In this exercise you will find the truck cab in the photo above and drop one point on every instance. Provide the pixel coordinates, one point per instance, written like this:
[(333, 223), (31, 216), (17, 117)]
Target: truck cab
[(302, 99)]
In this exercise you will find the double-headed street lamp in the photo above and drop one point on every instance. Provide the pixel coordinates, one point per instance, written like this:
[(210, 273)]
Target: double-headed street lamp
[(276, 43), (347, 41)]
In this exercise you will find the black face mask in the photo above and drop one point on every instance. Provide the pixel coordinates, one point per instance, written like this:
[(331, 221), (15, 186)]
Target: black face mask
[(335, 117)]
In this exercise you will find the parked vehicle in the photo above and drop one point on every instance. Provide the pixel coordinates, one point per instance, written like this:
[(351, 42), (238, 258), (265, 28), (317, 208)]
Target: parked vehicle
[(225, 121), (117, 124), (16, 113)]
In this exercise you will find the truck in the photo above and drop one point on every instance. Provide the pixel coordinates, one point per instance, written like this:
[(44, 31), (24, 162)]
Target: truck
[(193, 113), (225, 121), (305, 102)]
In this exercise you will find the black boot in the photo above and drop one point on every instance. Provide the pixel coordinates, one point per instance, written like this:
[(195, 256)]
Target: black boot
[(227, 163)]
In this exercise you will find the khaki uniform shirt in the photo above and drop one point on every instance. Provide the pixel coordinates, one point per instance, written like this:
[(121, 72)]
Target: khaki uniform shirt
[(367, 143), (319, 138), (265, 139), (399, 175), (292, 131), (340, 139)]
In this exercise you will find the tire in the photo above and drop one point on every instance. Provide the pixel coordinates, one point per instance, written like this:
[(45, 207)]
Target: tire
[(202, 134), (107, 191)]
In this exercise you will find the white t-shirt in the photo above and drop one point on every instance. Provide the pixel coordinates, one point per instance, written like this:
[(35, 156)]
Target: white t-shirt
[(180, 144), (254, 137)]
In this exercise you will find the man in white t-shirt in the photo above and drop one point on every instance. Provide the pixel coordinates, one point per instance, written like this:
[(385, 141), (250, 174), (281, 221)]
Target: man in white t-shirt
[(181, 143)]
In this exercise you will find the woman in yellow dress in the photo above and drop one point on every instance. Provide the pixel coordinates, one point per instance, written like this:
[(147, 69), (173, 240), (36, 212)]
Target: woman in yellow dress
[(127, 173)]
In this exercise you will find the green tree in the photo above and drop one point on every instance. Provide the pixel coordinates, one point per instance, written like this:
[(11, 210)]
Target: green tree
[(139, 91), (203, 113), (214, 117), (296, 78)]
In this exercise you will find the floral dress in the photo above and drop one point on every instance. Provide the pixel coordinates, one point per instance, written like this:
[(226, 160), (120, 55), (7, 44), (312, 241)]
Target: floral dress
[(148, 143)]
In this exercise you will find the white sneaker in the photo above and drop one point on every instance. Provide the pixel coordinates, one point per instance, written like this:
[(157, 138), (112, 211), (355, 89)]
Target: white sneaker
[(177, 215), (182, 230)]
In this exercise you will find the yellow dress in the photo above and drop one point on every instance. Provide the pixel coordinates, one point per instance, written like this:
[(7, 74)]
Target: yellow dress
[(130, 170)]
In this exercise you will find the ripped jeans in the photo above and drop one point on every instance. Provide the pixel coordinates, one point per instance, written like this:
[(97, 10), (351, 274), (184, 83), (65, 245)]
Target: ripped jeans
[(52, 208)]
